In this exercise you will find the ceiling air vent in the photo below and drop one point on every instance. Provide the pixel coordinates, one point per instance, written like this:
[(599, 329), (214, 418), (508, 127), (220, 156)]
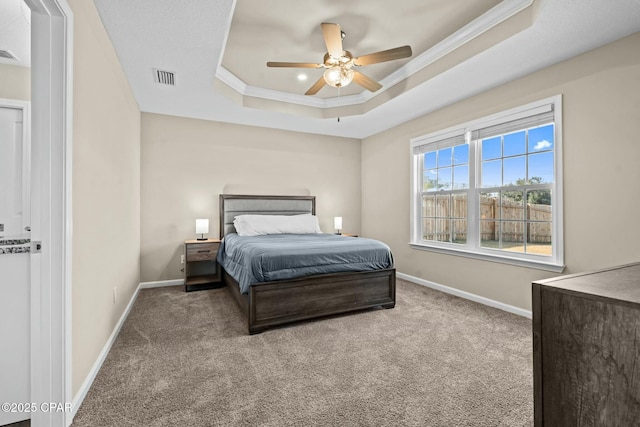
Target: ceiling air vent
[(164, 77), (7, 55)]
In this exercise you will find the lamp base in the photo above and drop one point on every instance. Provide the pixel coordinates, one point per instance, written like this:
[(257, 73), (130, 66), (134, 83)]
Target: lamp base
[(201, 237)]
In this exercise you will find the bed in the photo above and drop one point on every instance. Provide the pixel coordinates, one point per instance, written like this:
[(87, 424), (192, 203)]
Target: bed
[(276, 302)]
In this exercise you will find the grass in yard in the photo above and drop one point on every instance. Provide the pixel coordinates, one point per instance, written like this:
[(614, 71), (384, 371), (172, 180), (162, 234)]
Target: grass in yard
[(532, 248)]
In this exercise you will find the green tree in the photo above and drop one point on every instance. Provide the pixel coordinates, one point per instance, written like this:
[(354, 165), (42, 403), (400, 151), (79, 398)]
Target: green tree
[(539, 197), (428, 184), (534, 197)]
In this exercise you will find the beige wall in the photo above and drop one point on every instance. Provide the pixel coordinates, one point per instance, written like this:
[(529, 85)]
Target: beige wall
[(187, 163), (601, 107), (106, 190), (15, 82), (139, 182)]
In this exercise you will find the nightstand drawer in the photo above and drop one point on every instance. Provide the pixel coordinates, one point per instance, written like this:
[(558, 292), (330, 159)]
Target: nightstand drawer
[(202, 251)]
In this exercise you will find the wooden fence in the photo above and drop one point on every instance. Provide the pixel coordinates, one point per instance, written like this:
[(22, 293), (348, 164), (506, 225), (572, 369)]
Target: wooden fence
[(517, 219)]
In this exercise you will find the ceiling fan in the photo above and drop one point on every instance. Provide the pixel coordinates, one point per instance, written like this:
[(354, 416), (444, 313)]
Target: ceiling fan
[(339, 63)]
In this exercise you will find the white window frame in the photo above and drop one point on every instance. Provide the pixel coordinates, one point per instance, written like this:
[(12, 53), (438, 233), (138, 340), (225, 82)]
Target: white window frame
[(472, 248)]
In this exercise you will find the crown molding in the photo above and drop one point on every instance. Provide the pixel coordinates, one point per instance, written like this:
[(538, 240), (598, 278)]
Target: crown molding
[(244, 89), (498, 14)]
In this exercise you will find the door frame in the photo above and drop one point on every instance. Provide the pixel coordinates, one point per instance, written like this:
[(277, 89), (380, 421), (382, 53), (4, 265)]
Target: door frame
[(51, 221)]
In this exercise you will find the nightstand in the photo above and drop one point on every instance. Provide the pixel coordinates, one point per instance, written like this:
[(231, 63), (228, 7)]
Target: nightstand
[(349, 235), (201, 271)]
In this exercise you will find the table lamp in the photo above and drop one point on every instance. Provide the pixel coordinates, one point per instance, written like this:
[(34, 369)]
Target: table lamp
[(337, 223), (202, 228)]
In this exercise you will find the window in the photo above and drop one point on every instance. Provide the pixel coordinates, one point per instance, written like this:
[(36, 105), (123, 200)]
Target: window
[(491, 188)]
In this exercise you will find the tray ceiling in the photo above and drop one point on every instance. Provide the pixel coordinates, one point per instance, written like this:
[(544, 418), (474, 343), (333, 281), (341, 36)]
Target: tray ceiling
[(217, 51)]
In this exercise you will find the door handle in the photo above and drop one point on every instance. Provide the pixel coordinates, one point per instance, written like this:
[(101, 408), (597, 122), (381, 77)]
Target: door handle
[(27, 228)]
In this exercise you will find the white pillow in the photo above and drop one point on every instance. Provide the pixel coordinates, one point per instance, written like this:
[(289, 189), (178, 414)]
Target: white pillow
[(258, 225)]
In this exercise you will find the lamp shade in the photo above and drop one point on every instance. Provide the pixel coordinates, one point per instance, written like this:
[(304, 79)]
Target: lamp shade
[(202, 226), (337, 223)]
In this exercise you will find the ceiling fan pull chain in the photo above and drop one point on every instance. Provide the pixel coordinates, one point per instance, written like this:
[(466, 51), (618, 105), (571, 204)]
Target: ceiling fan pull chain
[(338, 102)]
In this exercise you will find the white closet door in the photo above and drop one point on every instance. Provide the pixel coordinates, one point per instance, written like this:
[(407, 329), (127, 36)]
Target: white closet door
[(14, 268)]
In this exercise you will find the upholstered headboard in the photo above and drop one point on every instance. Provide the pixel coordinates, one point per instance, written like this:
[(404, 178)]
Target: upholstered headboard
[(232, 205)]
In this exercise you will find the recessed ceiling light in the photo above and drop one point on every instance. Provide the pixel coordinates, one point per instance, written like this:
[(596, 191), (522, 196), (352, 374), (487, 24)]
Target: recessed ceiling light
[(302, 77)]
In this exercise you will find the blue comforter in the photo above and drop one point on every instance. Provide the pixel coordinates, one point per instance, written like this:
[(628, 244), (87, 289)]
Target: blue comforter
[(267, 258)]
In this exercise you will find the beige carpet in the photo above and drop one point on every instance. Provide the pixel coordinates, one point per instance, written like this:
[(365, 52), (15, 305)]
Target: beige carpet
[(185, 359)]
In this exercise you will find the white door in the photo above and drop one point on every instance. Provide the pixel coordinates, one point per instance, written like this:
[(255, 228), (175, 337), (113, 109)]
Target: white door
[(14, 267)]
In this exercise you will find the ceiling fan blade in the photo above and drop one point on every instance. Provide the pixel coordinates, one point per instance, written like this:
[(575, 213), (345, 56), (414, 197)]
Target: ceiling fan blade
[(384, 55), (332, 38), (366, 82), (316, 87), (294, 65)]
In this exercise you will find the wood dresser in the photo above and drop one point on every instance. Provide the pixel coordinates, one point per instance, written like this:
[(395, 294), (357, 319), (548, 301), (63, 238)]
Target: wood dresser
[(586, 349)]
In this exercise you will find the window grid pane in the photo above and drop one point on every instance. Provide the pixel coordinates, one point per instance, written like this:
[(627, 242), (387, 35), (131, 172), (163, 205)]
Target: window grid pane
[(490, 234), (541, 138), (428, 206), (492, 173), (459, 231), (442, 205), (444, 157), (515, 144), (509, 223), (444, 178), (510, 175), (444, 213), (444, 217), (438, 170), (518, 219), (460, 177), (490, 206), (504, 161), (512, 235), (512, 205), (443, 230), (428, 228)]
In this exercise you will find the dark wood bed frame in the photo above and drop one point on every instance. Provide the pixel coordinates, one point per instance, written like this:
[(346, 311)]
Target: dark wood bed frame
[(275, 303)]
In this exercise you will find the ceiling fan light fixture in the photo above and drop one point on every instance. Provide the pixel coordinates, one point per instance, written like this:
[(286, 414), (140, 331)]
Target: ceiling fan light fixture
[(338, 62), (338, 76)]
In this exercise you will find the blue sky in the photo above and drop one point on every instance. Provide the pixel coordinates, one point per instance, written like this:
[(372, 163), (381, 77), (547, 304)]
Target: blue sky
[(450, 166), (510, 156)]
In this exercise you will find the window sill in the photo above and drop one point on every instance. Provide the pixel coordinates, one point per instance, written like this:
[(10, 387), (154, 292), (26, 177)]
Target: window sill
[(503, 259)]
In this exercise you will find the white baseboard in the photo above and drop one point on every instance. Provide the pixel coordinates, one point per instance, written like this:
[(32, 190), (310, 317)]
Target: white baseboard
[(86, 385), (466, 295), (161, 284)]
